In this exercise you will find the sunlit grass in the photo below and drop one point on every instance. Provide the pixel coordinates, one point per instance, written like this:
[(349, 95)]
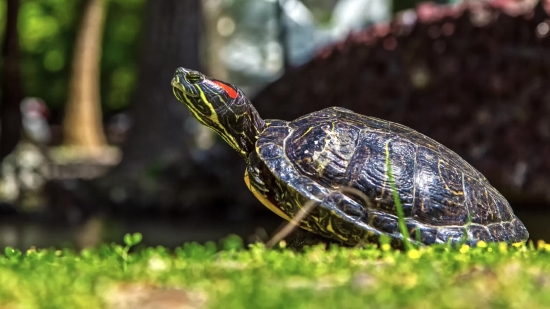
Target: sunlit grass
[(228, 276)]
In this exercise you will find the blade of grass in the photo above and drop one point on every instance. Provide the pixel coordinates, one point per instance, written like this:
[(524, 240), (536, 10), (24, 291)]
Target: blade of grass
[(291, 226), (397, 201)]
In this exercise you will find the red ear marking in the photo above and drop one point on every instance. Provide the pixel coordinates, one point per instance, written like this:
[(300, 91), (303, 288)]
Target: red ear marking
[(230, 91)]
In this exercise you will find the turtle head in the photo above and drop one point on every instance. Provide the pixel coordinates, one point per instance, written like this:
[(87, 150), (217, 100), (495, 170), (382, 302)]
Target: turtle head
[(220, 106)]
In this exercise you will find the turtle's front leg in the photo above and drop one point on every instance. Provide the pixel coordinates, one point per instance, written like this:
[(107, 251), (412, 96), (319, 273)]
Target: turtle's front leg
[(259, 183)]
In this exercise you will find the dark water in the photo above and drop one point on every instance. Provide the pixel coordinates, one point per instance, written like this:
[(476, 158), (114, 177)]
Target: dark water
[(171, 233), (23, 234), (537, 222)]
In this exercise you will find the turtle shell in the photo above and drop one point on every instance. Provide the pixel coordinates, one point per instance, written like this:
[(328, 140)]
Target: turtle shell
[(317, 156)]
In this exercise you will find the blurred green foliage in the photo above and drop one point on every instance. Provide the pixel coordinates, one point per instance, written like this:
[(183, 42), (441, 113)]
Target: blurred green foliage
[(121, 44), (48, 29), (2, 18), (490, 275)]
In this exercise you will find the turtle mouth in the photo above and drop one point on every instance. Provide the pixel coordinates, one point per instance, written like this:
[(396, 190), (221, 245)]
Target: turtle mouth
[(179, 90)]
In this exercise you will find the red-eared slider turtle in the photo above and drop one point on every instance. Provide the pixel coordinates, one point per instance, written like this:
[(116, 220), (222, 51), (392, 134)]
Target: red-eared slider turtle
[(444, 199)]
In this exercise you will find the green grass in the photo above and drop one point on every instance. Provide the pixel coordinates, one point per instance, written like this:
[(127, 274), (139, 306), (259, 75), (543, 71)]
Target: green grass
[(228, 276)]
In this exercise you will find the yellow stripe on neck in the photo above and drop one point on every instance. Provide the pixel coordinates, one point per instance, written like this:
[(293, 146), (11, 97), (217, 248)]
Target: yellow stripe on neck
[(214, 118)]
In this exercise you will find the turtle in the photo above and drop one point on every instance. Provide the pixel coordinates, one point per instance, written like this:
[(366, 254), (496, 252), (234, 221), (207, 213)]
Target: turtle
[(317, 157)]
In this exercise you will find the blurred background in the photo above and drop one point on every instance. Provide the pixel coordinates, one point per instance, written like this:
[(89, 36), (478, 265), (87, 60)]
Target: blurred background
[(93, 144)]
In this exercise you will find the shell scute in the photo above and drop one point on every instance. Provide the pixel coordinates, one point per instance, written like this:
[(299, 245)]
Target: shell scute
[(323, 151), (479, 232), (498, 232), (480, 204), (452, 234), (435, 202), (383, 222), (368, 171)]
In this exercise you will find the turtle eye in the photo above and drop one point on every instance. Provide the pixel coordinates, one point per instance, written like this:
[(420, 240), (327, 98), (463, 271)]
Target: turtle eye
[(194, 77)]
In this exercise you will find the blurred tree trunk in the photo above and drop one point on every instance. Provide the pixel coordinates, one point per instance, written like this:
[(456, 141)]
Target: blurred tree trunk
[(11, 89), (282, 34), (82, 126), (170, 40), (157, 138)]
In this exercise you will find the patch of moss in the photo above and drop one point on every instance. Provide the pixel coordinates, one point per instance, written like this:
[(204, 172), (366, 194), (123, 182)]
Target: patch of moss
[(229, 276)]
